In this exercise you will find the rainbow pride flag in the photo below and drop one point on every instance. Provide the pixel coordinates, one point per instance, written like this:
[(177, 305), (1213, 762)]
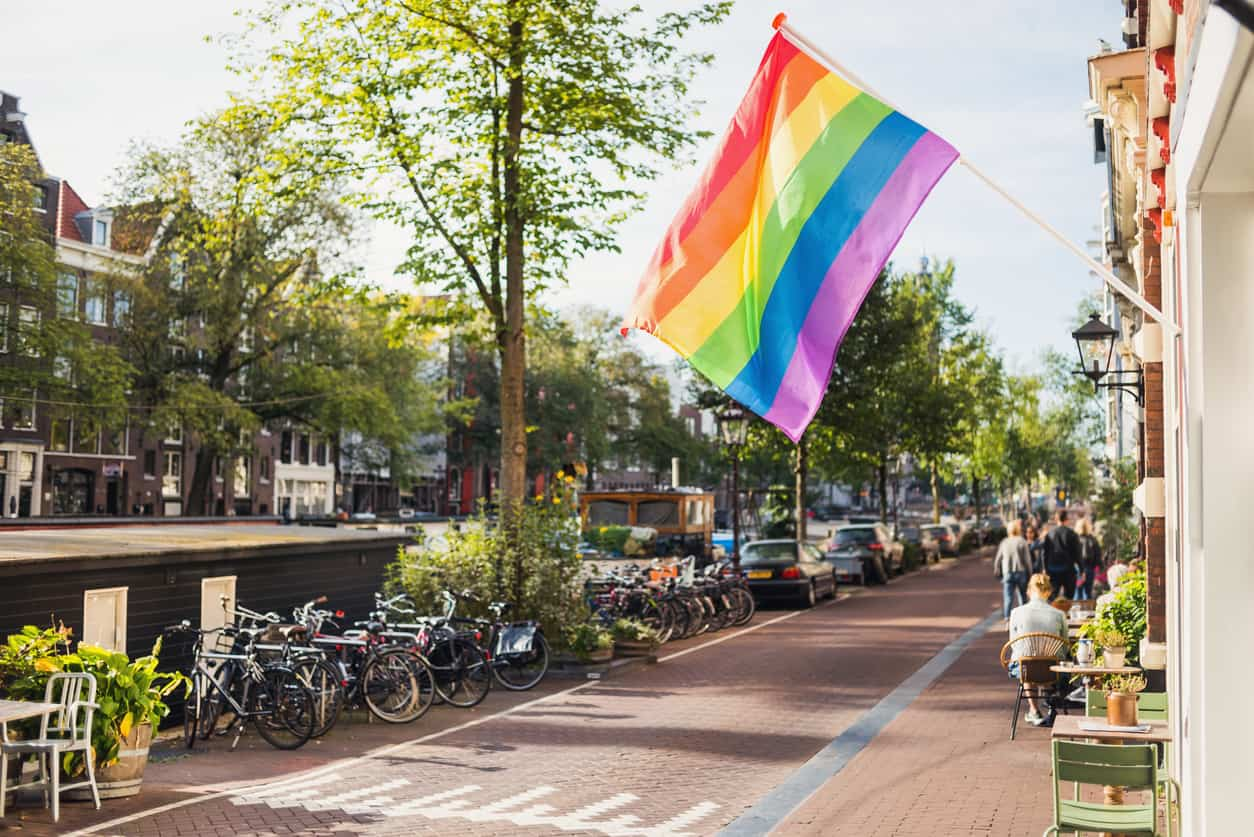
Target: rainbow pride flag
[(770, 257)]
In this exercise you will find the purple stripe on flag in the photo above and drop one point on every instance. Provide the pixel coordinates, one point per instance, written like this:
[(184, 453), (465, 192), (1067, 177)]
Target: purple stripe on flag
[(850, 278)]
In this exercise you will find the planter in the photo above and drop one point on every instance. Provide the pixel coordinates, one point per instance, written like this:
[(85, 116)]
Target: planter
[(1120, 709), (634, 647), (1114, 657), (601, 655), (126, 775)]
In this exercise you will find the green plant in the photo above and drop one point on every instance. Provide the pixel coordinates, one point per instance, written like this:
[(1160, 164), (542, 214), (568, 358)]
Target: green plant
[(631, 630), (1124, 613), (608, 539), (1108, 637), (533, 561), (587, 638), (1125, 684), (128, 693)]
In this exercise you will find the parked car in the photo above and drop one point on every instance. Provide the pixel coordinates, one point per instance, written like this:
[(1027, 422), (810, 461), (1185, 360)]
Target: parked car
[(828, 511), (920, 539), (867, 550), (787, 569), (946, 538)]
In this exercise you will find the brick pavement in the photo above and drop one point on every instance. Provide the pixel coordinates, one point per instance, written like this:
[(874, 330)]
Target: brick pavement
[(678, 748)]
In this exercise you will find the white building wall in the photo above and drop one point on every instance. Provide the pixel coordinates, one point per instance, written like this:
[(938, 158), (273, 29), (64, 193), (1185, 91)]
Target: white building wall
[(310, 489)]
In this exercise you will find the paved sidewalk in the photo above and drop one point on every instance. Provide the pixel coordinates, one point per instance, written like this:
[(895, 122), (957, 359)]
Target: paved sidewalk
[(945, 766)]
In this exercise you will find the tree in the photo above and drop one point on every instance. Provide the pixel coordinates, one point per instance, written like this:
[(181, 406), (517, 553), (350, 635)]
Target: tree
[(49, 356), (239, 317), (506, 135)]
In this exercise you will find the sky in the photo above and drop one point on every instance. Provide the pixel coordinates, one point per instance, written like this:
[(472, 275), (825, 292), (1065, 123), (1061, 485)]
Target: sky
[(1004, 82)]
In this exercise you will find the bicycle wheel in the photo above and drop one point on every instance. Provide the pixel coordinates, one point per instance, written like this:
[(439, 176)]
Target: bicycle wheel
[(323, 682), (744, 604), (659, 617), (391, 687), (209, 712), (191, 714), (468, 677), (519, 672), (281, 709)]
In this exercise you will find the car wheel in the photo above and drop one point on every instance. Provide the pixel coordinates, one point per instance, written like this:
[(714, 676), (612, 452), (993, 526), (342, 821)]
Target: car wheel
[(808, 598), (832, 594)]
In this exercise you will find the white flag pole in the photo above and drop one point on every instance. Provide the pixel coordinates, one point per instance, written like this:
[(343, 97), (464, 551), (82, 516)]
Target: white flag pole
[(1116, 284)]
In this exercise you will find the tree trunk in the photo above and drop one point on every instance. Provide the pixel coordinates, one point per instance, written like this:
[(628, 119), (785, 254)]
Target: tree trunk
[(935, 477), (512, 340), (199, 494), (896, 496), (975, 496), (882, 474), (799, 489)]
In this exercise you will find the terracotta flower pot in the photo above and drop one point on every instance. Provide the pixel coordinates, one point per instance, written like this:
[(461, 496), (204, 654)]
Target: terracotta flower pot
[(1120, 709)]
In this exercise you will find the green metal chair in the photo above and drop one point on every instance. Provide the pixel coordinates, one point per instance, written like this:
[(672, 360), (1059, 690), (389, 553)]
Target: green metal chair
[(1131, 766), (1151, 706)]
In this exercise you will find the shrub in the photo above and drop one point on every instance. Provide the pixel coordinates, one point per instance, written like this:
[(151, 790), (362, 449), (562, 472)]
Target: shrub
[(531, 559), (1125, 613), (586, 638), (631, 630)]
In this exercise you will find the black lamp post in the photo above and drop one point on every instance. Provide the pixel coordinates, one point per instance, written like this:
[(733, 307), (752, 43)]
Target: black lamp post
[(1095, 341), (733, 424)]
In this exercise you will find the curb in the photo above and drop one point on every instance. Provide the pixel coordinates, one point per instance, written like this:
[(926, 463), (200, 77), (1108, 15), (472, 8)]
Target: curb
[(601, 671)]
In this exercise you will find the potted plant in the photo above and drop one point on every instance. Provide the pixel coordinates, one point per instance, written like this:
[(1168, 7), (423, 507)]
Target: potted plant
[(1113, 644), (1121, 697), (590, 642), (130, 696), (633, 638), (26, 660)]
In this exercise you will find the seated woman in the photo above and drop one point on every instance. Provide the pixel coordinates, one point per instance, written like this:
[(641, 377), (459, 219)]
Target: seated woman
[(1037, 616)]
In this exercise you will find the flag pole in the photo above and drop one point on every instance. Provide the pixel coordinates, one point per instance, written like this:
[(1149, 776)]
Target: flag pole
[(1104, 273)]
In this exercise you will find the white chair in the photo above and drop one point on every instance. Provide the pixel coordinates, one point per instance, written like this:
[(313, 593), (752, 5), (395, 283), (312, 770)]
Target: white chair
[(66, 730)]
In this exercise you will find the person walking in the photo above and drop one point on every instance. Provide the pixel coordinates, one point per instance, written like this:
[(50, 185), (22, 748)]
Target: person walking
[(1036, 549), (1012, 564), (1062, 556), (1090, 559)]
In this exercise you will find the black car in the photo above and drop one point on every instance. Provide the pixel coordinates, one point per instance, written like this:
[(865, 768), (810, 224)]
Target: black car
[(868, 548), (992, 529), (787, 569)]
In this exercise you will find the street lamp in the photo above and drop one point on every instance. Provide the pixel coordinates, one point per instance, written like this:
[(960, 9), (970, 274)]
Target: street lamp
[(1095, 341), (733, 424)]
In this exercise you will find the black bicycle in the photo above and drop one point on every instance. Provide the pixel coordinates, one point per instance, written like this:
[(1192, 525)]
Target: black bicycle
[(269, 696)]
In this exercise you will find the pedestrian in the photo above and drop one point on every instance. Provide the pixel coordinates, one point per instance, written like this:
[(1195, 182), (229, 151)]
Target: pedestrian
[(1036, 549), (1090, 559), (1062, 556), (1012, 564)]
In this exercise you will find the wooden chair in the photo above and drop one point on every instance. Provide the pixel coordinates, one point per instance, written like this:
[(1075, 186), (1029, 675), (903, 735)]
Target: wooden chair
[(1035, 652), (1130, 766), (68, 730)]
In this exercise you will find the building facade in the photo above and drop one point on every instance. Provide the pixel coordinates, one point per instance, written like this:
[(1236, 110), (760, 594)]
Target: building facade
[(1178, 104)]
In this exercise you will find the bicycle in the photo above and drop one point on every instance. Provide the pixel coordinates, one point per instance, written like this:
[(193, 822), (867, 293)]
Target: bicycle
[(462, 668), (520, 653), (278, 706)]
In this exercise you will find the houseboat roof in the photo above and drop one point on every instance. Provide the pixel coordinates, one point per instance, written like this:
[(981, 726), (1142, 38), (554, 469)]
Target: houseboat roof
[(125, 541)]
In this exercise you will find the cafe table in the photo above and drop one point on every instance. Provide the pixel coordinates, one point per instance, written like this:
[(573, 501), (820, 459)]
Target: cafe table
[(20, 710), (1080, 727)]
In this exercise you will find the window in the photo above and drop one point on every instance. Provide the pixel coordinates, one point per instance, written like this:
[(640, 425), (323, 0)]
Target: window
[(100, 233), (217, 469), (243, 471), (263, 473), (150, 464), (67, 294), (104, 618), (174, 436), (285, 447), (41, 199), (608, 513), (303, 459), (113, 441), (19, 413), (86, 436), (62, 369), (4, 327), (94, 303), (322, 453), (28, 329), (26, 467), (121, 307), (60, 441), (172, 475)]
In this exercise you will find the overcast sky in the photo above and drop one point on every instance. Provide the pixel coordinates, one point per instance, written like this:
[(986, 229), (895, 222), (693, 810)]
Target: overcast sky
[(1003, 81)]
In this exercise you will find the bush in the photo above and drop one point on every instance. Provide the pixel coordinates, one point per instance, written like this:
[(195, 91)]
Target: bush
[(1125, 613), (531, 559), (631, 630), (586, 638)]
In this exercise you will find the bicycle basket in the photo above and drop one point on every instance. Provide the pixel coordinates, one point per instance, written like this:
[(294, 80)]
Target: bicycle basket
[(516, 639)]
